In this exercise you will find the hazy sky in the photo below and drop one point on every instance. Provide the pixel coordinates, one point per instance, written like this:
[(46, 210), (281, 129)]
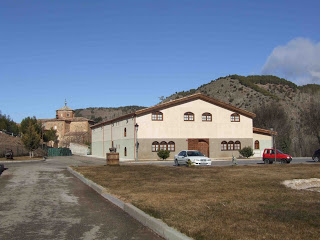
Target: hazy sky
[(116, 53)]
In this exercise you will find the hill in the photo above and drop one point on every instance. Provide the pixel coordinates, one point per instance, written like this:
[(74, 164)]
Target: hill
[(105, 113)]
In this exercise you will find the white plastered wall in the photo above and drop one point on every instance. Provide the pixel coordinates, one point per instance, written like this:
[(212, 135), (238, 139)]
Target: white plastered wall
[(174, 126), (265, 141)]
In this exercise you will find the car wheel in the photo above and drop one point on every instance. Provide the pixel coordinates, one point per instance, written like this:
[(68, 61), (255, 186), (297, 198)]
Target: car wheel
[(288, 161), (176, 162), (283, 161), (266, 161), (316, 159)]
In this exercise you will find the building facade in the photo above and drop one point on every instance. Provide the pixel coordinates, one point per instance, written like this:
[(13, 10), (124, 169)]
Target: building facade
[(196, 122), (69, 128)]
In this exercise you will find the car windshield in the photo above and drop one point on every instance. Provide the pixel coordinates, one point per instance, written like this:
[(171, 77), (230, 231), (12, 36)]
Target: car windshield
[(194, 153), (279, 151)]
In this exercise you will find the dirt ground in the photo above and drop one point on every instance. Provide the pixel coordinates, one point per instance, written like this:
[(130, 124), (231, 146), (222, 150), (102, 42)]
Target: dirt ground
[(231, 202)]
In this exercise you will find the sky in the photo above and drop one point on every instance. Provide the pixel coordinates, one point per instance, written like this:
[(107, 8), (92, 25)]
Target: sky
[(118, 53)]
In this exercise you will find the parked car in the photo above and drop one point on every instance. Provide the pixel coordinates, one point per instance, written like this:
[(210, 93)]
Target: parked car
[(316, 156), (196, 157), (270, 155)]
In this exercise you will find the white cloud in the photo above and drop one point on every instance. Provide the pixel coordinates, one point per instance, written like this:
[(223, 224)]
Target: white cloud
[(298, 61)]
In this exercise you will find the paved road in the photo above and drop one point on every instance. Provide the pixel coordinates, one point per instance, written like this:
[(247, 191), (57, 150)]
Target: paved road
[(228, 162), (44, 201)]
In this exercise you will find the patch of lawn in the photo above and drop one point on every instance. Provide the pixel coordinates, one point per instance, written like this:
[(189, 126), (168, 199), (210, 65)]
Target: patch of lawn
[(234, 202)]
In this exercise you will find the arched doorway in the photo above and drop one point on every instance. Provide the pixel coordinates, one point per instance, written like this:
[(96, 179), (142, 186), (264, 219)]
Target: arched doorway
[(201, 145)]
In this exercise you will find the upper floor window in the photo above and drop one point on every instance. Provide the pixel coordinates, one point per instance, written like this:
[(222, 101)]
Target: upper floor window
[(163, 145), (171, 146), (155, 146), (125, 151), (224, 146), (207, 117), (157, 116), (237, 145), (235, 117), (125, 132), (189, 116), (256, 145)]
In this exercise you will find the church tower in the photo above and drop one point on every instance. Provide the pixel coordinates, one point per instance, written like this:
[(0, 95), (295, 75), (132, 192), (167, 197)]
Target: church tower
[(65, 112)]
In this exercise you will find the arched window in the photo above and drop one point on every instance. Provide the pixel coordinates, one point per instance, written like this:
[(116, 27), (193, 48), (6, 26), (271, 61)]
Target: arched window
[(237, 145), (224, 146), (171, 146), (207, 117), (189, 116), (235, 117), (157, 116), (125, 132), (163, 145), (230, 145), (125, 151), (256, 145), (155, 147)]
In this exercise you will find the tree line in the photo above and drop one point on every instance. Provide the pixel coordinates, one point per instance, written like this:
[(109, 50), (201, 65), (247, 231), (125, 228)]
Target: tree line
[(31, 130)]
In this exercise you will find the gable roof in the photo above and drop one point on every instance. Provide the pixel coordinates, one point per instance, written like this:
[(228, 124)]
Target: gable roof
[(65, 108), (178, 102)]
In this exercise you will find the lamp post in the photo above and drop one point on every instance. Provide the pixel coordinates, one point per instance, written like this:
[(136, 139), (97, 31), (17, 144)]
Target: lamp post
[(274, 144), (137, 144)]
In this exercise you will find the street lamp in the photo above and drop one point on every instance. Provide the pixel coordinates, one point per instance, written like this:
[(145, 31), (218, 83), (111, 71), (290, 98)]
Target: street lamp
[(137, 144), (274, 144)]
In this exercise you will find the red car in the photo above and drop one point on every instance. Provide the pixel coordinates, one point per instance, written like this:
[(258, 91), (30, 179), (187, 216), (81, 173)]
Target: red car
[(270, 155)]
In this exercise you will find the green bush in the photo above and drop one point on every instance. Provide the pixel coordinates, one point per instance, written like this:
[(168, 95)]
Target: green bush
[(246, 152), (163, 154)]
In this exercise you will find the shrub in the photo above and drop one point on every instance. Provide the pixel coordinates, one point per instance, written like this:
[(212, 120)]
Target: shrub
[(246, 152), (163, 154)]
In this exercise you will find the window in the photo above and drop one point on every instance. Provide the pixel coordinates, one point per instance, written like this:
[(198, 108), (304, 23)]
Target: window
[(157, 116), (207, 117), (125, 132), (155, 147), (237, 145), (125, 151), (68, 115), (235, 117), (189, 116), (256, 145), (163, 145), (171, 146), (230, 145), (224, 146)]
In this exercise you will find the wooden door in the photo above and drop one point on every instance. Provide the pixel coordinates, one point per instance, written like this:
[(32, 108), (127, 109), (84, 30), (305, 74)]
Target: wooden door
[(203, 147)]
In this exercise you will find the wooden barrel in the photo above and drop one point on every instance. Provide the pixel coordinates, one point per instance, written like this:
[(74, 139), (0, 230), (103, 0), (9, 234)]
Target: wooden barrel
[(113, 159)]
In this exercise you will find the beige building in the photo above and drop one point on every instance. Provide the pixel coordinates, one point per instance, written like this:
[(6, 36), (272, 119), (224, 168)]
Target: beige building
[(69, 128), (196, 122)]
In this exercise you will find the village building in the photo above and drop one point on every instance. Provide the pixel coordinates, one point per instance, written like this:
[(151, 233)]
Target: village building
[(196, 122), (69, 128)]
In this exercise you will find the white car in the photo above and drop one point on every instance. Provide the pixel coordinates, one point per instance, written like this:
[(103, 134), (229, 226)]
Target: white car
[(196, 157)]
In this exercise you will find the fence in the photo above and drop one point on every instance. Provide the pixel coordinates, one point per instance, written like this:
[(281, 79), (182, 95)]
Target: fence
[(17, 150), (53, 152)]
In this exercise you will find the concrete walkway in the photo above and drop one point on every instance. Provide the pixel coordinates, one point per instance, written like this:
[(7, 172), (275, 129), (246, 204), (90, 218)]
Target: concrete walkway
[(44, 201)]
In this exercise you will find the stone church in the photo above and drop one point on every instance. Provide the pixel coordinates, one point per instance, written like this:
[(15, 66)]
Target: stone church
[(69, 128)]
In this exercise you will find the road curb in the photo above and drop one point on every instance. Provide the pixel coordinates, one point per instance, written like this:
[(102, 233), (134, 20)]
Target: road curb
[(156, 225), (31, 161)]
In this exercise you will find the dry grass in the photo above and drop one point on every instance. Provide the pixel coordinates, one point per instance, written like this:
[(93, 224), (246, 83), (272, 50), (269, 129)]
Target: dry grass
[(236, 202), (23, 158)]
